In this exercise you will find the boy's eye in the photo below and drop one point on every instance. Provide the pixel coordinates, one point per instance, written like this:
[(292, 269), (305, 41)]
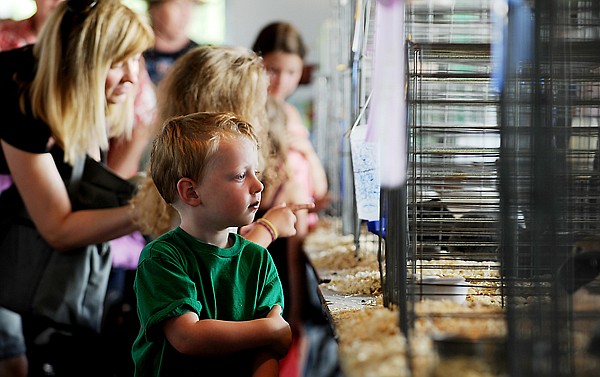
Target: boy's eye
[(241, 176)]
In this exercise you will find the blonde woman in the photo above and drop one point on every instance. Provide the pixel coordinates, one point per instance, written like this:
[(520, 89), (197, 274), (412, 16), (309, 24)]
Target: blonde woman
[(61, 100)]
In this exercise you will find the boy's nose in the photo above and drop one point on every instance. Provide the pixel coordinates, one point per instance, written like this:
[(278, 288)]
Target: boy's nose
[(258, 187)]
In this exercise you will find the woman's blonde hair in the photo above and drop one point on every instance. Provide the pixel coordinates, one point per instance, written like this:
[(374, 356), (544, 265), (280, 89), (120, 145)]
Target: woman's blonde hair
[(207, 79), (75, 51)]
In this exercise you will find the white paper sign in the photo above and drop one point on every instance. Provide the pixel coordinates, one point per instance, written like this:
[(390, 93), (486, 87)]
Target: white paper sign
[(365, 163)]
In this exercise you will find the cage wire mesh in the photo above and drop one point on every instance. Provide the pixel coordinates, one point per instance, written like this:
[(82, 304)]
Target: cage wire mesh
[(333, 112), (513, 188), (442, 227), (549, 179), (503, 104), (452, 261)]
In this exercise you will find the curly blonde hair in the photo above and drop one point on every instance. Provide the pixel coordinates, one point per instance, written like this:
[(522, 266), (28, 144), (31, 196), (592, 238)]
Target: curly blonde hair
[(209, 79)]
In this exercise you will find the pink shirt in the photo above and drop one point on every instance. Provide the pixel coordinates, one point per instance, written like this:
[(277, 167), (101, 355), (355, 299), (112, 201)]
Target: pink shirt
[(15, 34), (301, 168)]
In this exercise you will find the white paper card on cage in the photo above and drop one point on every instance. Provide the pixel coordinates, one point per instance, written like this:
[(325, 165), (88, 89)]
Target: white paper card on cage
[(365, 163)]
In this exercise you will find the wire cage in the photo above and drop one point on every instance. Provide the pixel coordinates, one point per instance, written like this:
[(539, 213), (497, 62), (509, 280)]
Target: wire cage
[(503, 188), (440, 258), (492, 247), (453, 262), (549, 188)]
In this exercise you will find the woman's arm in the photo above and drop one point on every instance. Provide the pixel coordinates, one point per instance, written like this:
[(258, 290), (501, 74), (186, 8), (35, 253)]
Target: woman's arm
[(210, 337), (47, 201)]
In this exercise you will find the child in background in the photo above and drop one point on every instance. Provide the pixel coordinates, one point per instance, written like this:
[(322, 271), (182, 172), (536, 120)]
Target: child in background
[(286, 251), (170, 20), (209, 301), (283, 52)]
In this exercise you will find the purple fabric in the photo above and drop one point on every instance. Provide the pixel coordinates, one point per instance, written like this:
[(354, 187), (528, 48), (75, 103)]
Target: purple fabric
[(125, 251), (5, 182)]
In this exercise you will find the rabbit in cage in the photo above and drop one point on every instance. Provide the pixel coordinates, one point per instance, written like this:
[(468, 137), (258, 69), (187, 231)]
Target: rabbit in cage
[(475, 234), (432, 225), (582, 266), (579, 271)]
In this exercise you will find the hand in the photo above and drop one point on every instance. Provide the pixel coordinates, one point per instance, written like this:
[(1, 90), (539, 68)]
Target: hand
[(282, 334), (283, 217), (321, 203)]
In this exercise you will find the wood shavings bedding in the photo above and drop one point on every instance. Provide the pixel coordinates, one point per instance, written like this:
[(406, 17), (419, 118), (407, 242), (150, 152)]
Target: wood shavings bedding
[(369, 338), (341, 257), (358, 281), (371, 345)]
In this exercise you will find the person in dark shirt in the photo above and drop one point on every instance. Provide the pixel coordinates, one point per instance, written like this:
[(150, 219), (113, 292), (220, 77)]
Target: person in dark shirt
[(52, 101), (170, 20)]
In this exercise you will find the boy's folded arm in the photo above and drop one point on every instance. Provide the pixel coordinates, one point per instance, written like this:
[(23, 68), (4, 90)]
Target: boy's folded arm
[(209, 337), (266, 363), (282, 332)]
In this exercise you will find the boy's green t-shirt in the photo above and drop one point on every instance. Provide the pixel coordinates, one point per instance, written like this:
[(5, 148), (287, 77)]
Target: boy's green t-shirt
[(176, 274)]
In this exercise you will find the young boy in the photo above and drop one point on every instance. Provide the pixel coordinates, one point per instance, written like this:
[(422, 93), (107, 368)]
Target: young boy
[(209, 301)]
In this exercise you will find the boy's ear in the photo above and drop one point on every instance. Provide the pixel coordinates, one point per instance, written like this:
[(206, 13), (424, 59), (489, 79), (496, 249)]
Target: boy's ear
[(186, 189)]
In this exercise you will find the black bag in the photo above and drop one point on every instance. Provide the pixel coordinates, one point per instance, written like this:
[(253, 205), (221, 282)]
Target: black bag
[(94, 186), (67, 288)]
